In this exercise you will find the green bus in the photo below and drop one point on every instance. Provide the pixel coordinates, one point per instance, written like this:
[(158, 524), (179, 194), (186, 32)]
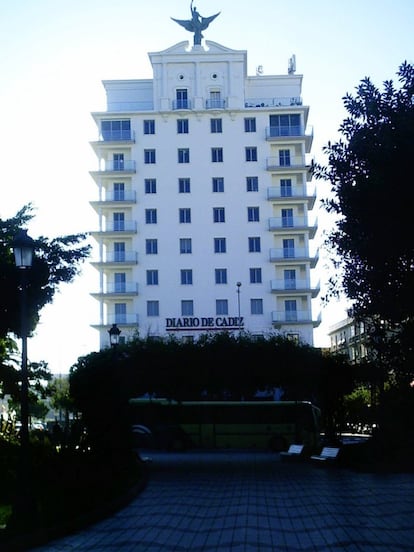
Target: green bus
[(273, 425)]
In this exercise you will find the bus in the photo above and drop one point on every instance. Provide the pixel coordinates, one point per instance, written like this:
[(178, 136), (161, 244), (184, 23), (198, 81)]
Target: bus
[(274, 425)]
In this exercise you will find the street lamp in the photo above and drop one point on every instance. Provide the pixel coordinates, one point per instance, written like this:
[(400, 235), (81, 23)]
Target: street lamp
[(238, 304), (23, 248), (114, 333)]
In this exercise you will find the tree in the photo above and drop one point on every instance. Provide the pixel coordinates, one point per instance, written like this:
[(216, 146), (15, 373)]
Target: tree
[(56, 261), (371, 177)]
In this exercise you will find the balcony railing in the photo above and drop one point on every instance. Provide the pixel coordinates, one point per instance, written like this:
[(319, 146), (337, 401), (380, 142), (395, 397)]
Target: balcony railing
[(294, 286), (295, 162), (120, 226), (293, 254), (122, 319), (117, 136), (294, 222), (119, 289), (181, 104), (126, 257), (129, 196), (286, 317), (277, 192), (273, 102), (215, 104), (119, 166)]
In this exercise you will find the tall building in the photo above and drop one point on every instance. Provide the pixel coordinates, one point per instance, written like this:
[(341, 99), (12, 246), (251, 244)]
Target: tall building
[(204, 199)]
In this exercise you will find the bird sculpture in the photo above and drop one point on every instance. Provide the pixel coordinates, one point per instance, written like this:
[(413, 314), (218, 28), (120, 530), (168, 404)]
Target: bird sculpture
[(196, 24)]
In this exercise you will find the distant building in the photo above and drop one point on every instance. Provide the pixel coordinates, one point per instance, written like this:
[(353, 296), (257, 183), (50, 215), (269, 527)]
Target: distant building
[(348, 337), (204, 200)]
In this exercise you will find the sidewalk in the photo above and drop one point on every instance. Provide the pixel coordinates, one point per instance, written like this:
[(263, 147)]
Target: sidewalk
[(247, 501)]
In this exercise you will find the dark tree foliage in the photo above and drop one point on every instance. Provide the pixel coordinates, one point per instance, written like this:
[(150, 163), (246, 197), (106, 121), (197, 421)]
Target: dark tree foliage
[(370, 171), (216, 367), (56, 261)]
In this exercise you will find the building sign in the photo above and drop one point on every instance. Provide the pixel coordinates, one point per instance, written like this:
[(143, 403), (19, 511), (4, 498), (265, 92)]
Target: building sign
[(204, 323)]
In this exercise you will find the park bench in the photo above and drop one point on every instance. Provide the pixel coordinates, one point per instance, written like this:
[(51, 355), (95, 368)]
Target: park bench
[(328, 454), (294, 451)]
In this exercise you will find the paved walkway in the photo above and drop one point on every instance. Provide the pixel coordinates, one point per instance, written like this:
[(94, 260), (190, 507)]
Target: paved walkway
[(251, 502)]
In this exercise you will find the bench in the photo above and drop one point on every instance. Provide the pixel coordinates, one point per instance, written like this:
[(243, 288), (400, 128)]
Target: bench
[(294, 451), (328, 454)]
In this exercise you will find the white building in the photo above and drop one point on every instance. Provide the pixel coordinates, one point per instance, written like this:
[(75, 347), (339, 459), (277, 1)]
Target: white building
[(203, 199)]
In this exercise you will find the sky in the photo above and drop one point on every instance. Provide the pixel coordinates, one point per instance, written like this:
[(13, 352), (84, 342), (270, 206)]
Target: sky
[(54, 55)]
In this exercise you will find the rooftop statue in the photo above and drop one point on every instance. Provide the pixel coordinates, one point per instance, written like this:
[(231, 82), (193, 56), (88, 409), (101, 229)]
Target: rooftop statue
[(196, 24)]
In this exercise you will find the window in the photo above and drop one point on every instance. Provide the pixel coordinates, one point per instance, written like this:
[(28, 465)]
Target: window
[(119, 252), (219, 245), (187, 307), (222, 307), (284, 158), (249, 124), (291, 314), (184, 185), (251, 153), (182, 126), (149, 156), (286, 187), (119, 191), (152, 277), (181, 101), (218, 184), (220, 275), (255, 275), (216, 126), (151, 246), (118, 221), (149, 126), (289, 248), (285, 125), (215, 101), (151, 216), (219, 214), (254, 245), (253, 214), (183, 155), (256, 306), (118, 161), (120, 313), (119, 282), (287, 218), (185, 246), (252, 183), (184, 215), (153, 308), (289, 277), (186, 277), (150, 186), (217, 155), (116, 130)]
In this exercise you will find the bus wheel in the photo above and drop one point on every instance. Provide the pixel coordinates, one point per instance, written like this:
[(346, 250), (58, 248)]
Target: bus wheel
[(277, 443)]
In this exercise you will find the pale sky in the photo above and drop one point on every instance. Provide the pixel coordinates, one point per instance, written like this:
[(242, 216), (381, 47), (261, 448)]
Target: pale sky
[(55, 53)]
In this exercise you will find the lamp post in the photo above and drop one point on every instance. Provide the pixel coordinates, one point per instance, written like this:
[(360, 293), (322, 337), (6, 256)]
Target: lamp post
[(114, 333), (23, 248), (238, 304)]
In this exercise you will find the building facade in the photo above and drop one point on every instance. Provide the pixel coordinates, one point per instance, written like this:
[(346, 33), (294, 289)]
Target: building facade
[(204, 200), (349, 337)]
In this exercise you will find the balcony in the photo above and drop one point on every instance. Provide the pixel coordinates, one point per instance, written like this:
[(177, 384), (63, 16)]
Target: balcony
[(181, 104), (116, 198), (293, 255), (119, 320), (117, 228), (293, 224), (297, 162), (117, 167), (284, 133), (117, 136), (298, 193), (117, 290), (294, 287), (283, 101), (215, 104), (117, 258), (294, 317)]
